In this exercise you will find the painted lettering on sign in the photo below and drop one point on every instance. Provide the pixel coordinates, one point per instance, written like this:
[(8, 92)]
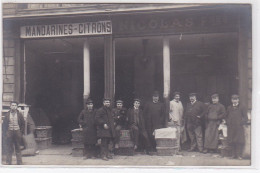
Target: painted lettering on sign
[(59, 30)]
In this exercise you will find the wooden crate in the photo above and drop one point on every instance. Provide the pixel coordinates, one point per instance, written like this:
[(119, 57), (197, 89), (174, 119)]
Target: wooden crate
[(43, 143), (166, 142), (77, 152), (43, 131), (166, 151), (125, 135), (77, 134), (125, 144), (77, 144), (125, 151)]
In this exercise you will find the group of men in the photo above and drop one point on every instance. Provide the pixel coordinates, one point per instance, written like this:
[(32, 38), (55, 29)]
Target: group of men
[(106, 123), (143, 122), (198, 115)]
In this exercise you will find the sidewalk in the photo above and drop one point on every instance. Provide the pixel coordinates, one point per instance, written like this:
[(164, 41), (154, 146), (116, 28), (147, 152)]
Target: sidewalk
[(61, 155)]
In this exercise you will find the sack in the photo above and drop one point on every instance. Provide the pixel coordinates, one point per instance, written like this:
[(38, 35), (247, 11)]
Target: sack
[(30, 145)]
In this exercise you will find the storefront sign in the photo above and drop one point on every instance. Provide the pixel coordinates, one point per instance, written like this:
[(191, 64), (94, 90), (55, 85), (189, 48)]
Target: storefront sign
[(173, 23), (73, 29)]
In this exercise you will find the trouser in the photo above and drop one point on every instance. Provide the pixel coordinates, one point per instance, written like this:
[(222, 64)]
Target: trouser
[(14, 138), (104, 146), (195, 134), (152, 140), (135, 134), (89, 150), (117, 133), (236, 149), (178, 135)]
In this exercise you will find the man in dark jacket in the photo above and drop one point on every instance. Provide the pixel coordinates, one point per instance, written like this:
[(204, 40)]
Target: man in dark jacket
[(105, 128), (154, 115), (13, 128), (214, 115), (87, 121), (119, 114), (137, 126), (236, 117), (195, 110)]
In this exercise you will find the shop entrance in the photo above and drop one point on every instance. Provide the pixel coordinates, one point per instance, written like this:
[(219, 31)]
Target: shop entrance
[(54, 81), (139, 69)]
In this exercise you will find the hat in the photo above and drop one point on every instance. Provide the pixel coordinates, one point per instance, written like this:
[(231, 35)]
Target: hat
[(137, 99), (192, 94), (106, 99), (214, 95), (119, 101), (235, 96), (176, 93), (156, 94), (89, 101)]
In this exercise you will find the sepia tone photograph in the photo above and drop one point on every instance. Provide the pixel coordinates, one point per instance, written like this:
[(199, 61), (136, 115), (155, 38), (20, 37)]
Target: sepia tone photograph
[(126, 84)]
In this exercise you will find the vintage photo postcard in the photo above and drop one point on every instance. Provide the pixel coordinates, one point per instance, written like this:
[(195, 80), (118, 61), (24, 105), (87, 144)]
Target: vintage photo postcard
[(126, 84)]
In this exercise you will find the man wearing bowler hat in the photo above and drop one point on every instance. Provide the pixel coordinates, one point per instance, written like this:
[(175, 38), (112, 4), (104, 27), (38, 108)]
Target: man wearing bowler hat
[(214, 114), (194, 112), (119, 114), (87, 121), (105, 128), (236, 117)]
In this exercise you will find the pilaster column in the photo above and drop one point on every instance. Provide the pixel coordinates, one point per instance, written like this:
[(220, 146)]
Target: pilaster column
[(86, 69)]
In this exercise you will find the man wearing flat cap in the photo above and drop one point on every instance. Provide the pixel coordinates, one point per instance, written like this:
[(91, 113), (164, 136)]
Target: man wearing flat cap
[(137, 126), (119, 114), (195, 110), (176, 115), (86, 120), (105, 128), (236, 117), (154, 115), (214, 115)]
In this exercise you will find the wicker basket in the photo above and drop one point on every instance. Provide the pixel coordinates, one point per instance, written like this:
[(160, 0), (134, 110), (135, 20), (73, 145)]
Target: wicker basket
[(166, 151), (225, 151), (77, 144), (43, 143), (43, 131), (125, 144), (77, 134), (77, 152), (224, 142), (166, 142), (125, 135)]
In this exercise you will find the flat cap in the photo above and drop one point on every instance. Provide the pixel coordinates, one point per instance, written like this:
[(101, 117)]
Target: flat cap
[(106, 99), (89, 101), (156, 93), (119, 101), (137, 100), (214, 95), (176, 93), (192, 94), (235, 96)]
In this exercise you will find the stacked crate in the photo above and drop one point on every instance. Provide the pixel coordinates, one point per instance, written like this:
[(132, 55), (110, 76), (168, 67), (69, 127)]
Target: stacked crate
[(77, 143), (126, 146), (166, 141), (43, 137)]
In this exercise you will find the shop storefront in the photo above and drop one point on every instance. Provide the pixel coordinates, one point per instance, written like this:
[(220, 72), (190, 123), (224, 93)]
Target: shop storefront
[(61, 61)]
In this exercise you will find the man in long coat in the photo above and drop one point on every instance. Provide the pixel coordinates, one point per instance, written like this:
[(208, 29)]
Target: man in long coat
[(215, 113), (137, 126), (119, 114), (13, 129), (154, 115), (176, 115), (236, 117), (195, 111), (87, 121), (105, 128)]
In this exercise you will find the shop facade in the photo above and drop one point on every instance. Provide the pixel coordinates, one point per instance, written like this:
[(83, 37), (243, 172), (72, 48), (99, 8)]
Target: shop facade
[(56, 60)]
